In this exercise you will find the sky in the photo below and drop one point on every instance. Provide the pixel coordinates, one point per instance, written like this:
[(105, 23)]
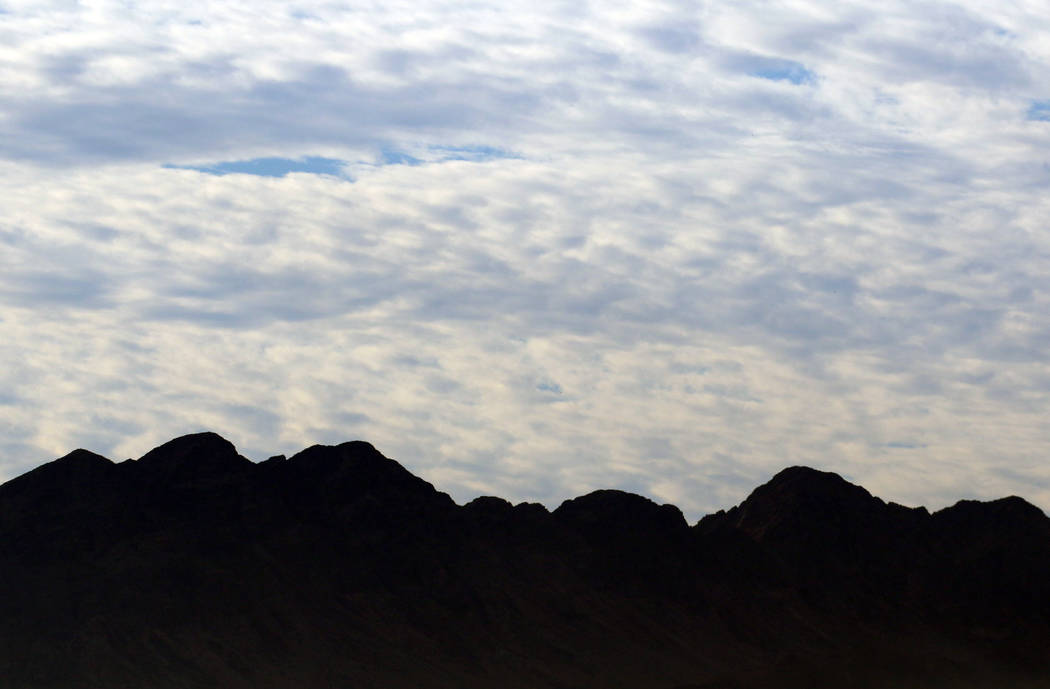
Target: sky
[(535, 249)]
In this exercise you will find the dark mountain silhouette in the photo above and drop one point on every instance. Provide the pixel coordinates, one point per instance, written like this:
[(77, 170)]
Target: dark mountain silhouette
[(194, 567)]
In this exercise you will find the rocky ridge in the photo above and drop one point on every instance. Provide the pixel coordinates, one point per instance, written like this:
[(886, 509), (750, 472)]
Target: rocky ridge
[(194, 567)]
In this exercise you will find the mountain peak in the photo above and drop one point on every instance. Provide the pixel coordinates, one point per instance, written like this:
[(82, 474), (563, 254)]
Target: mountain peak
[(356, 472), (811, 480), (82, 457), (618, 511), (801, 498), (356, 457), (71, 473), (189, 456), (1010, 515)]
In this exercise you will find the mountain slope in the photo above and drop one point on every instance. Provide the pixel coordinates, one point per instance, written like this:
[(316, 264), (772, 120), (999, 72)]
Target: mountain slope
[(193, 567)]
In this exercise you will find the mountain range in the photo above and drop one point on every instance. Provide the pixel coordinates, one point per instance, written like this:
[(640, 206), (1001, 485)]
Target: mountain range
[(193, 567)]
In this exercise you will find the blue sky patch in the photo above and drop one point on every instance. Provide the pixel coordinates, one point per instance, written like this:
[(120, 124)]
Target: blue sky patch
[(269, 167), (1040, 110), (443, 154), (475, 154), (391, 157), (549, 387), (782, 70)]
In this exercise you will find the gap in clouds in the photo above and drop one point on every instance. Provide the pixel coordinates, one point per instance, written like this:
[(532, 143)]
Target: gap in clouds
[(1040, 111), (394, 157), (474, 154), (438, 153), (773, 69), (269, 167), (785, 70), (279, 167)]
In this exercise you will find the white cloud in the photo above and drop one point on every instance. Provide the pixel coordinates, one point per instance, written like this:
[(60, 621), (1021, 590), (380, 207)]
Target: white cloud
[(650, 270)]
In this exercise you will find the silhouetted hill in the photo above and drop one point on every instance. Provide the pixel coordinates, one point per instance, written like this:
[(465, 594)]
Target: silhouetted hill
[(194, 567)]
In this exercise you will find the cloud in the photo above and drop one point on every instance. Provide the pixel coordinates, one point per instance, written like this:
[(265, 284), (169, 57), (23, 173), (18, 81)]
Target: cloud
[(672, 38), (534, 252)]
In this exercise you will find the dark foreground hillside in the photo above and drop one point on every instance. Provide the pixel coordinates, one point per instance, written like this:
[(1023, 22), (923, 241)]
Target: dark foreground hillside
[(193, 567)]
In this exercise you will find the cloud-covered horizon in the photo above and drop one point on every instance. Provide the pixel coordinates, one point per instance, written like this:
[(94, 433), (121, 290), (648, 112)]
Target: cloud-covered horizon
[(669, 248)]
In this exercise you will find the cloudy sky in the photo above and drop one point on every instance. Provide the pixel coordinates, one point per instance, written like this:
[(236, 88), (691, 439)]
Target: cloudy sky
[(534, 249)]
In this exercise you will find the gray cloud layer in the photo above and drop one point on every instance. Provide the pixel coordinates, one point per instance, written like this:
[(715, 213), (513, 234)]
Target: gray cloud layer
[(668, 248)]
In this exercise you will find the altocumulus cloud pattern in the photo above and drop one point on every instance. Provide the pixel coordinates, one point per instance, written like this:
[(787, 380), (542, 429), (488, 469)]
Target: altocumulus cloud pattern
[(532, 251)]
